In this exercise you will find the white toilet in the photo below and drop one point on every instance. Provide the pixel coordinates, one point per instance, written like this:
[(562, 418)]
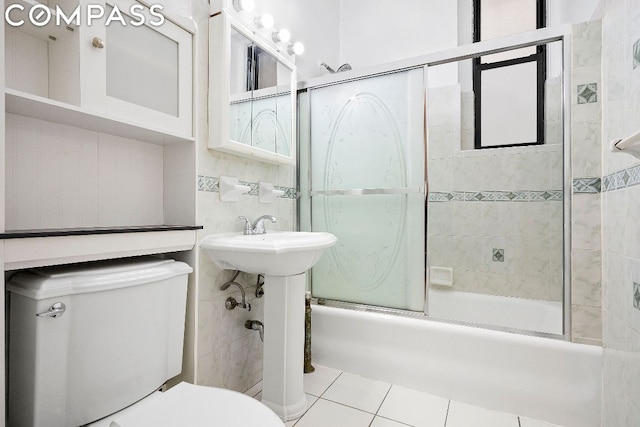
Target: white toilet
[(93, 343)]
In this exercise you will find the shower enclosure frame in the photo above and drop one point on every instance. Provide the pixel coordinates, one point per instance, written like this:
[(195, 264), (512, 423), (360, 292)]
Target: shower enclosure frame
[(560, 33)]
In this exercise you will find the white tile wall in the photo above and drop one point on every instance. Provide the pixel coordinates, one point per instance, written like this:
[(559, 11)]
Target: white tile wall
[(103, 181), (586, 208), (621, 248), (463, 234), (533, 265)]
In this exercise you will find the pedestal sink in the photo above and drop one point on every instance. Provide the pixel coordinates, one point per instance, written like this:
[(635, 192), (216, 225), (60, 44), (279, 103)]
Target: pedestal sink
[(283, 258)]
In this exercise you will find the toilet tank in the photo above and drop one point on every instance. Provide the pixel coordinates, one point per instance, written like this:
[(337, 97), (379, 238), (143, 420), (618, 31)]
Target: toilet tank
[(119, 338)]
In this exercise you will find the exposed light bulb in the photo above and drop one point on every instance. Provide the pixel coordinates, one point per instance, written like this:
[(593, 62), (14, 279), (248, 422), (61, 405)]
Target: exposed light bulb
[(264, 21), (296, 49), (244, 5), (282, 35)]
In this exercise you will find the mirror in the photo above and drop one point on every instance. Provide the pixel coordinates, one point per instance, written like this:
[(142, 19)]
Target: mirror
[(239, 95), (252, 94)]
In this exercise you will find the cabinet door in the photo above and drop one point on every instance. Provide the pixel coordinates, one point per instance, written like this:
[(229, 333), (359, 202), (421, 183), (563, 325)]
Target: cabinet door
[(142, 73)]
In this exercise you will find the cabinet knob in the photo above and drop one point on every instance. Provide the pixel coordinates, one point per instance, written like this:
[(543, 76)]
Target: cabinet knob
[(97, 42)]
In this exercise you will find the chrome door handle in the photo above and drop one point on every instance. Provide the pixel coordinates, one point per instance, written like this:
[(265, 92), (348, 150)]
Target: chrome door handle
[(56, 310)]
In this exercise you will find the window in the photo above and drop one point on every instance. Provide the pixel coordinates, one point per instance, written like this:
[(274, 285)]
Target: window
[(509, 86)]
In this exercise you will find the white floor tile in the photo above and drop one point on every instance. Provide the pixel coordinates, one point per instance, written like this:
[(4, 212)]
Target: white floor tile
[(317, 382), (310, 401), (414, 407), (528, 422), (463, 415), (324, 413), (357, 392), (383, 422), (254, 390)]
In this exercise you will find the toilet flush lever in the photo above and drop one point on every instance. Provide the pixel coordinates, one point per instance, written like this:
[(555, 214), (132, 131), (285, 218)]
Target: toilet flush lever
[(56, 310)]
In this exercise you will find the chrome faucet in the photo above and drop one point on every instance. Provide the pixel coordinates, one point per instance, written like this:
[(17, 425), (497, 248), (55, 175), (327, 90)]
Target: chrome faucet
[(258, 225)]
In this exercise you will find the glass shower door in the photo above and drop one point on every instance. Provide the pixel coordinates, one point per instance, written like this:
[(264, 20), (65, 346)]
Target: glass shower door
[(367, 188)]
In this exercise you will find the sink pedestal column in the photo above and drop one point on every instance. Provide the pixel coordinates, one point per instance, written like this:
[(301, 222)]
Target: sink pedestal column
[(283, 360)]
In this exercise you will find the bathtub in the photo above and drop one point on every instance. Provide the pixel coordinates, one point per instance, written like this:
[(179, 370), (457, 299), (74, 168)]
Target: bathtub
[(506, 312), (541, 378)]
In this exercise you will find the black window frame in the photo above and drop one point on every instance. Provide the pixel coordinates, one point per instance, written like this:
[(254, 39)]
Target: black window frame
[(540, 57)]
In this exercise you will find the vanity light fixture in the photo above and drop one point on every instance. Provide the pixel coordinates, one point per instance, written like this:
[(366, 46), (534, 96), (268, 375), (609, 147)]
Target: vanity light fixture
[(296, 48), (264, 21), (282, 35), (244, 5)]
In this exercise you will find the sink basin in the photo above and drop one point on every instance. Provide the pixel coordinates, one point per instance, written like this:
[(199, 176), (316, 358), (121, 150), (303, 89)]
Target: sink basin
[(284, 253)]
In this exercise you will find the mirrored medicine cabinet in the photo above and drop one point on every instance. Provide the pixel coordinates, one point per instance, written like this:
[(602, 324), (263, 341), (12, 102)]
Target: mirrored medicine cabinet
[(251, 93)]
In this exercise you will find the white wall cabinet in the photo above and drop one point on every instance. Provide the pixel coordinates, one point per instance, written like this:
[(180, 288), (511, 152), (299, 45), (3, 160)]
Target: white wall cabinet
[(119, 68), (99, 147), (252, 93), (142, 71)]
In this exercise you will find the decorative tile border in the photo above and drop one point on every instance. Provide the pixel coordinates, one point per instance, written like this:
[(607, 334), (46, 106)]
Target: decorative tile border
[(591, 185), (587, 185), (212, 184), (622, 179), (289, 192), (588, 93), (254, 188), (208, 183), (496, 196)]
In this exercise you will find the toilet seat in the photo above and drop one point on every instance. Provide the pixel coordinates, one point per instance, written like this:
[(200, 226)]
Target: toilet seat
[(197, 406)]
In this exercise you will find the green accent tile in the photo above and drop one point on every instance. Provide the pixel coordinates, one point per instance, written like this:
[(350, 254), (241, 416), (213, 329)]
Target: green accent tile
[(587, 93)]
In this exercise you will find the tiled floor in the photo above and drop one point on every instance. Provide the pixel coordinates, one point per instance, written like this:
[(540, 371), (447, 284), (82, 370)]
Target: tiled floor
[(341, 399)]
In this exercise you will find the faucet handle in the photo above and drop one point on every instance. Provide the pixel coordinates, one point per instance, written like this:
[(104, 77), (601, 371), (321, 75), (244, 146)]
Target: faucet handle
[(247, 224)]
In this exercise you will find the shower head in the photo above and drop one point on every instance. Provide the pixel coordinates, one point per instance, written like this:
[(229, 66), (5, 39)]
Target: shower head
[(326, 67), (343, 67)]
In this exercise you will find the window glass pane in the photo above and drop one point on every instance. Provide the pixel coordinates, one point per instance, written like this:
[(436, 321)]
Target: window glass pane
[(509, 105), (505, 17), (500, 18)]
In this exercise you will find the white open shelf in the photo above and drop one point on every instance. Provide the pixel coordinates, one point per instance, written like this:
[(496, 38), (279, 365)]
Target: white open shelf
[(33, 252), (45, 32), (50, 110)]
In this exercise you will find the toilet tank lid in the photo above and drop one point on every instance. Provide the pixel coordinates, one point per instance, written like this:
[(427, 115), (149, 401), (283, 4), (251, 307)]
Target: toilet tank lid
[(53, 282)]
